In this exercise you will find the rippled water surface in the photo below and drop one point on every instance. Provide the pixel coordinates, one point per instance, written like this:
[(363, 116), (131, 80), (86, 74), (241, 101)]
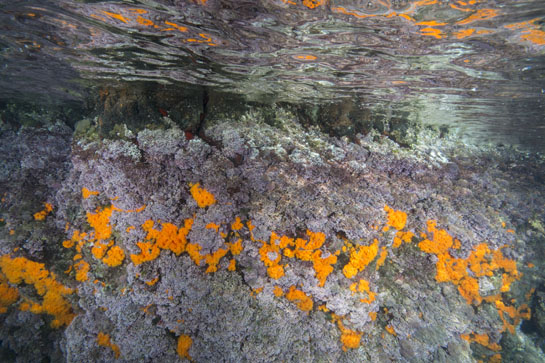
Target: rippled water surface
[(478, 65)]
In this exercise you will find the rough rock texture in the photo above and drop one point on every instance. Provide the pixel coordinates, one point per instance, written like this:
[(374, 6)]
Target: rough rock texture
[(287, 180), (33, 165)]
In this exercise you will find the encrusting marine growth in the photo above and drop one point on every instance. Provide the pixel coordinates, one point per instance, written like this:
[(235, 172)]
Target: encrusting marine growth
[(274, 254), (104, 341), (8, 295), (184, 343), (40, 216), (303, 301), (202, 196), (20, 270), (99, 237)]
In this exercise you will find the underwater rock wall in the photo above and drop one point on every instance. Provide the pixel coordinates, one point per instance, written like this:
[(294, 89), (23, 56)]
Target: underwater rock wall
[(269, 243)]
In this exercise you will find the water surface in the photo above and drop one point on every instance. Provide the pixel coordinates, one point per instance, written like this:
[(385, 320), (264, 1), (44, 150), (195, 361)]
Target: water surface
[(476, 65)]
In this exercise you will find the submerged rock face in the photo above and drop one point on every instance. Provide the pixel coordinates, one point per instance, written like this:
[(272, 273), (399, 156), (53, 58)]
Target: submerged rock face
[(267, 243)]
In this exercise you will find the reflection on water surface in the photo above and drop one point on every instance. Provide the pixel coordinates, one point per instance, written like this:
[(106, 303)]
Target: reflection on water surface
[(473, 64)]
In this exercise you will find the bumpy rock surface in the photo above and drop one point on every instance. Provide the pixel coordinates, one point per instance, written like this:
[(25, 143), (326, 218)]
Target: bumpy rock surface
[(293, 182)]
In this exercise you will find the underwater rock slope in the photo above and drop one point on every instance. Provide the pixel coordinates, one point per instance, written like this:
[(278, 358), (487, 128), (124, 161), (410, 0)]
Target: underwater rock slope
[(268, 243)]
